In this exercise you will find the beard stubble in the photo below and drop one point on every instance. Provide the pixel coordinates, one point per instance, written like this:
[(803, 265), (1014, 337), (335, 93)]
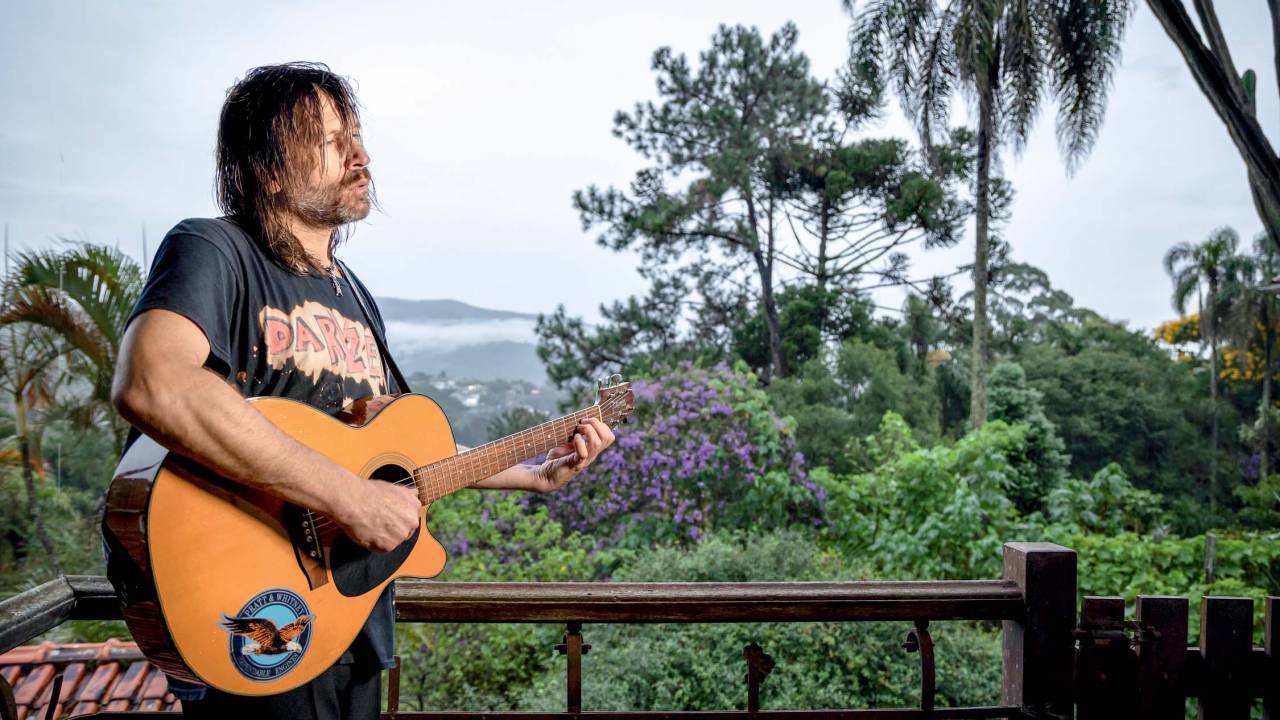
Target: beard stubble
[(336, 205)]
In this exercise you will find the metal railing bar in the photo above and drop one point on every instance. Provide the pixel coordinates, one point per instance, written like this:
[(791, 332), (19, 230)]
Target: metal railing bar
[(35, 611), (999, 711)]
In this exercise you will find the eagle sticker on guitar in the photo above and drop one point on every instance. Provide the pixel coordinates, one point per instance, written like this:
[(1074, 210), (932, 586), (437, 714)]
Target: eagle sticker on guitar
[(269, 635)]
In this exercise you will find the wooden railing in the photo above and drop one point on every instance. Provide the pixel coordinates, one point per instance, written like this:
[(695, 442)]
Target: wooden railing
[(1103, 667)]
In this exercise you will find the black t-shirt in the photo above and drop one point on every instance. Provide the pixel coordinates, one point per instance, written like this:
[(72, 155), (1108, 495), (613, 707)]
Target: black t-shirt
[(273, 332)]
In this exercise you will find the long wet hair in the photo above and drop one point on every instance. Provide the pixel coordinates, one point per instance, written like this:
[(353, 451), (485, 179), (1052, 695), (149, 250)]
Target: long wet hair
[(271, 122)]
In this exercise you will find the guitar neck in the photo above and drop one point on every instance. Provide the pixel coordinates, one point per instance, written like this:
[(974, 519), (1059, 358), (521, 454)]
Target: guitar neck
[(451, 474)]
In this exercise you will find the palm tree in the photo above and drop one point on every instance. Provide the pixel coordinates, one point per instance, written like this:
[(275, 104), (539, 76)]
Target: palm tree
[(1201, 271), (1008, 56), (84, 294), (1252, 315)]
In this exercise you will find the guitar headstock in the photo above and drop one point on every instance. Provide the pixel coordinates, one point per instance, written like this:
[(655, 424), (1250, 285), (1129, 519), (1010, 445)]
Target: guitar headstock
[(615, 400)]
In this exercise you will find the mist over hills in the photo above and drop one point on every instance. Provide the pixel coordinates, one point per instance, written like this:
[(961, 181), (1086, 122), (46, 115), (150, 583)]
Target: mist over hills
[(464, 341)]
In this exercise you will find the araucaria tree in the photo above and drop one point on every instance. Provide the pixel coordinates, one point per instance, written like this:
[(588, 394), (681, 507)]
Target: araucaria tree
[(754, 184), (721, 130), (1007, 56)]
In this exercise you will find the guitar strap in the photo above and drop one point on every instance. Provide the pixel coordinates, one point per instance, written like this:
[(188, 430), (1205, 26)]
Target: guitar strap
[(388, 362)]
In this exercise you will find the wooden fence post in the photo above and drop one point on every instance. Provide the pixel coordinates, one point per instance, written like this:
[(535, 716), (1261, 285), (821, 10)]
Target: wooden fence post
[(1226, 641), (1105, 671), (1270, 680), (1039, 648), (1162, 655)]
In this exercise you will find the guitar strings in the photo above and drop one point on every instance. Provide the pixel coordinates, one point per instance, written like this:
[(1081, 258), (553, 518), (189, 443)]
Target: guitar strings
[(412, 481), (609, 404)]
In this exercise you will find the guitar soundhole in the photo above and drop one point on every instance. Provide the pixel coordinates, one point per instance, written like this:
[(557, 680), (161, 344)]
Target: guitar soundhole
[(356, 570)]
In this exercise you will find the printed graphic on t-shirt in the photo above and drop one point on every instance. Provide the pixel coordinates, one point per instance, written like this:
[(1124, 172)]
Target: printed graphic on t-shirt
[(316, 338)]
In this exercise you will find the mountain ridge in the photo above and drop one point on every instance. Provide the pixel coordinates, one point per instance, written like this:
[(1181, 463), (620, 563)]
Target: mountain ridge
[(403, 310)]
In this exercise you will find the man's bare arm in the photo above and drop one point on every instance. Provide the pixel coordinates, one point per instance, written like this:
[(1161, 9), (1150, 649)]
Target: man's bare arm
[(162, 387), (590, 438)]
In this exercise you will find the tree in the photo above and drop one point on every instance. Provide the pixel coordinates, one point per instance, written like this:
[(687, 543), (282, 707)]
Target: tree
[(1026, 309), (721, 129), (27, 355), (1202, 270), (862, 204), (1115, 396), (514, 420), (1008, 56), (1013, 401), (921, 325), (810, 319), (1233, 96), (687, 315), (1252, 317), (84, 294)]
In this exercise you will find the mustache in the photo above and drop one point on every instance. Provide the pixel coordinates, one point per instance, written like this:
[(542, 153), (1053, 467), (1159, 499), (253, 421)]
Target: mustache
[(357, 176)]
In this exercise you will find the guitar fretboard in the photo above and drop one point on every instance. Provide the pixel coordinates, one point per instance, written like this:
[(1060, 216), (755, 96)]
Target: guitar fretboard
[(449, 475)]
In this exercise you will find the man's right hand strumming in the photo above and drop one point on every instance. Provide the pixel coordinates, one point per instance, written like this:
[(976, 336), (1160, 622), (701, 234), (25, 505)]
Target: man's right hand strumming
[(379, 515)]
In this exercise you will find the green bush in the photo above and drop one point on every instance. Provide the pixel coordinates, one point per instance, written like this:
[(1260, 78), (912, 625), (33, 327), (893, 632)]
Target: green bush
[(939, 513), (483, 666), (1010, 400), (819, 665)]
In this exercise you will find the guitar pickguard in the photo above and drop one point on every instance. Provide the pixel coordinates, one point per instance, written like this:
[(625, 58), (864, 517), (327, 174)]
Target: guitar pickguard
[(356, 571)]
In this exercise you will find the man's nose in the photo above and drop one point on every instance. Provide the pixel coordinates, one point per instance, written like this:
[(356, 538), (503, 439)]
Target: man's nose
[(359, 157)]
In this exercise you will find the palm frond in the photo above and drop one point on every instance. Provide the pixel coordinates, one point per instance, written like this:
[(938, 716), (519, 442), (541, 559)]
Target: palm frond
[(1022, 69), (45, 307), (975, 41), (938, 75), (1177, 255), (1085, 38), (102, 281)]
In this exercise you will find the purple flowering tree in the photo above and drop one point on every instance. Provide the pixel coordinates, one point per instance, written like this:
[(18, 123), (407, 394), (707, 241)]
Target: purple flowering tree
[(704, 450)]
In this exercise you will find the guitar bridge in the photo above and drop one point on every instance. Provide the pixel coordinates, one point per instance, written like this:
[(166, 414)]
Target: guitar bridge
[(307, 548)]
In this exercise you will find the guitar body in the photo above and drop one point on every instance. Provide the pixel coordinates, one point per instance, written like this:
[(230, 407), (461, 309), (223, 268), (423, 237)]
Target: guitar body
[(222, 558)]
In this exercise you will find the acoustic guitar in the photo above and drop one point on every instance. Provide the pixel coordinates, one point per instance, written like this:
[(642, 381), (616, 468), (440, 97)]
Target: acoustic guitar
[(237, 589)]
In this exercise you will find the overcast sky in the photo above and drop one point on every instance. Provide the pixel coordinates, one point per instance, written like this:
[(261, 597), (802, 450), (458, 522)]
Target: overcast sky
[(482, 118)]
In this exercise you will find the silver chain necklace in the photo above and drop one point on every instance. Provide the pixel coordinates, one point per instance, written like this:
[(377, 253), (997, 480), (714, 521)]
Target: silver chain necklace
[(332, 271)]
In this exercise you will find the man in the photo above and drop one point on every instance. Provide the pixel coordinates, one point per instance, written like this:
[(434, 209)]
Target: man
[(292, 173)]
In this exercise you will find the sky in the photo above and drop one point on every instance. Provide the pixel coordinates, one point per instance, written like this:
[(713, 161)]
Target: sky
[(482, 118)]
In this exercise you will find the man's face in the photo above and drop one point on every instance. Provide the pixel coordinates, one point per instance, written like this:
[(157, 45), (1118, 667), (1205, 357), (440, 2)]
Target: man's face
[(337, 191)]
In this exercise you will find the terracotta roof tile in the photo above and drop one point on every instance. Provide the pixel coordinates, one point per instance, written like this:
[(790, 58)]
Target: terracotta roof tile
[(71, 676), (29, 687), (95, 677), (127, 685), (95, 689), (155, 687)]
